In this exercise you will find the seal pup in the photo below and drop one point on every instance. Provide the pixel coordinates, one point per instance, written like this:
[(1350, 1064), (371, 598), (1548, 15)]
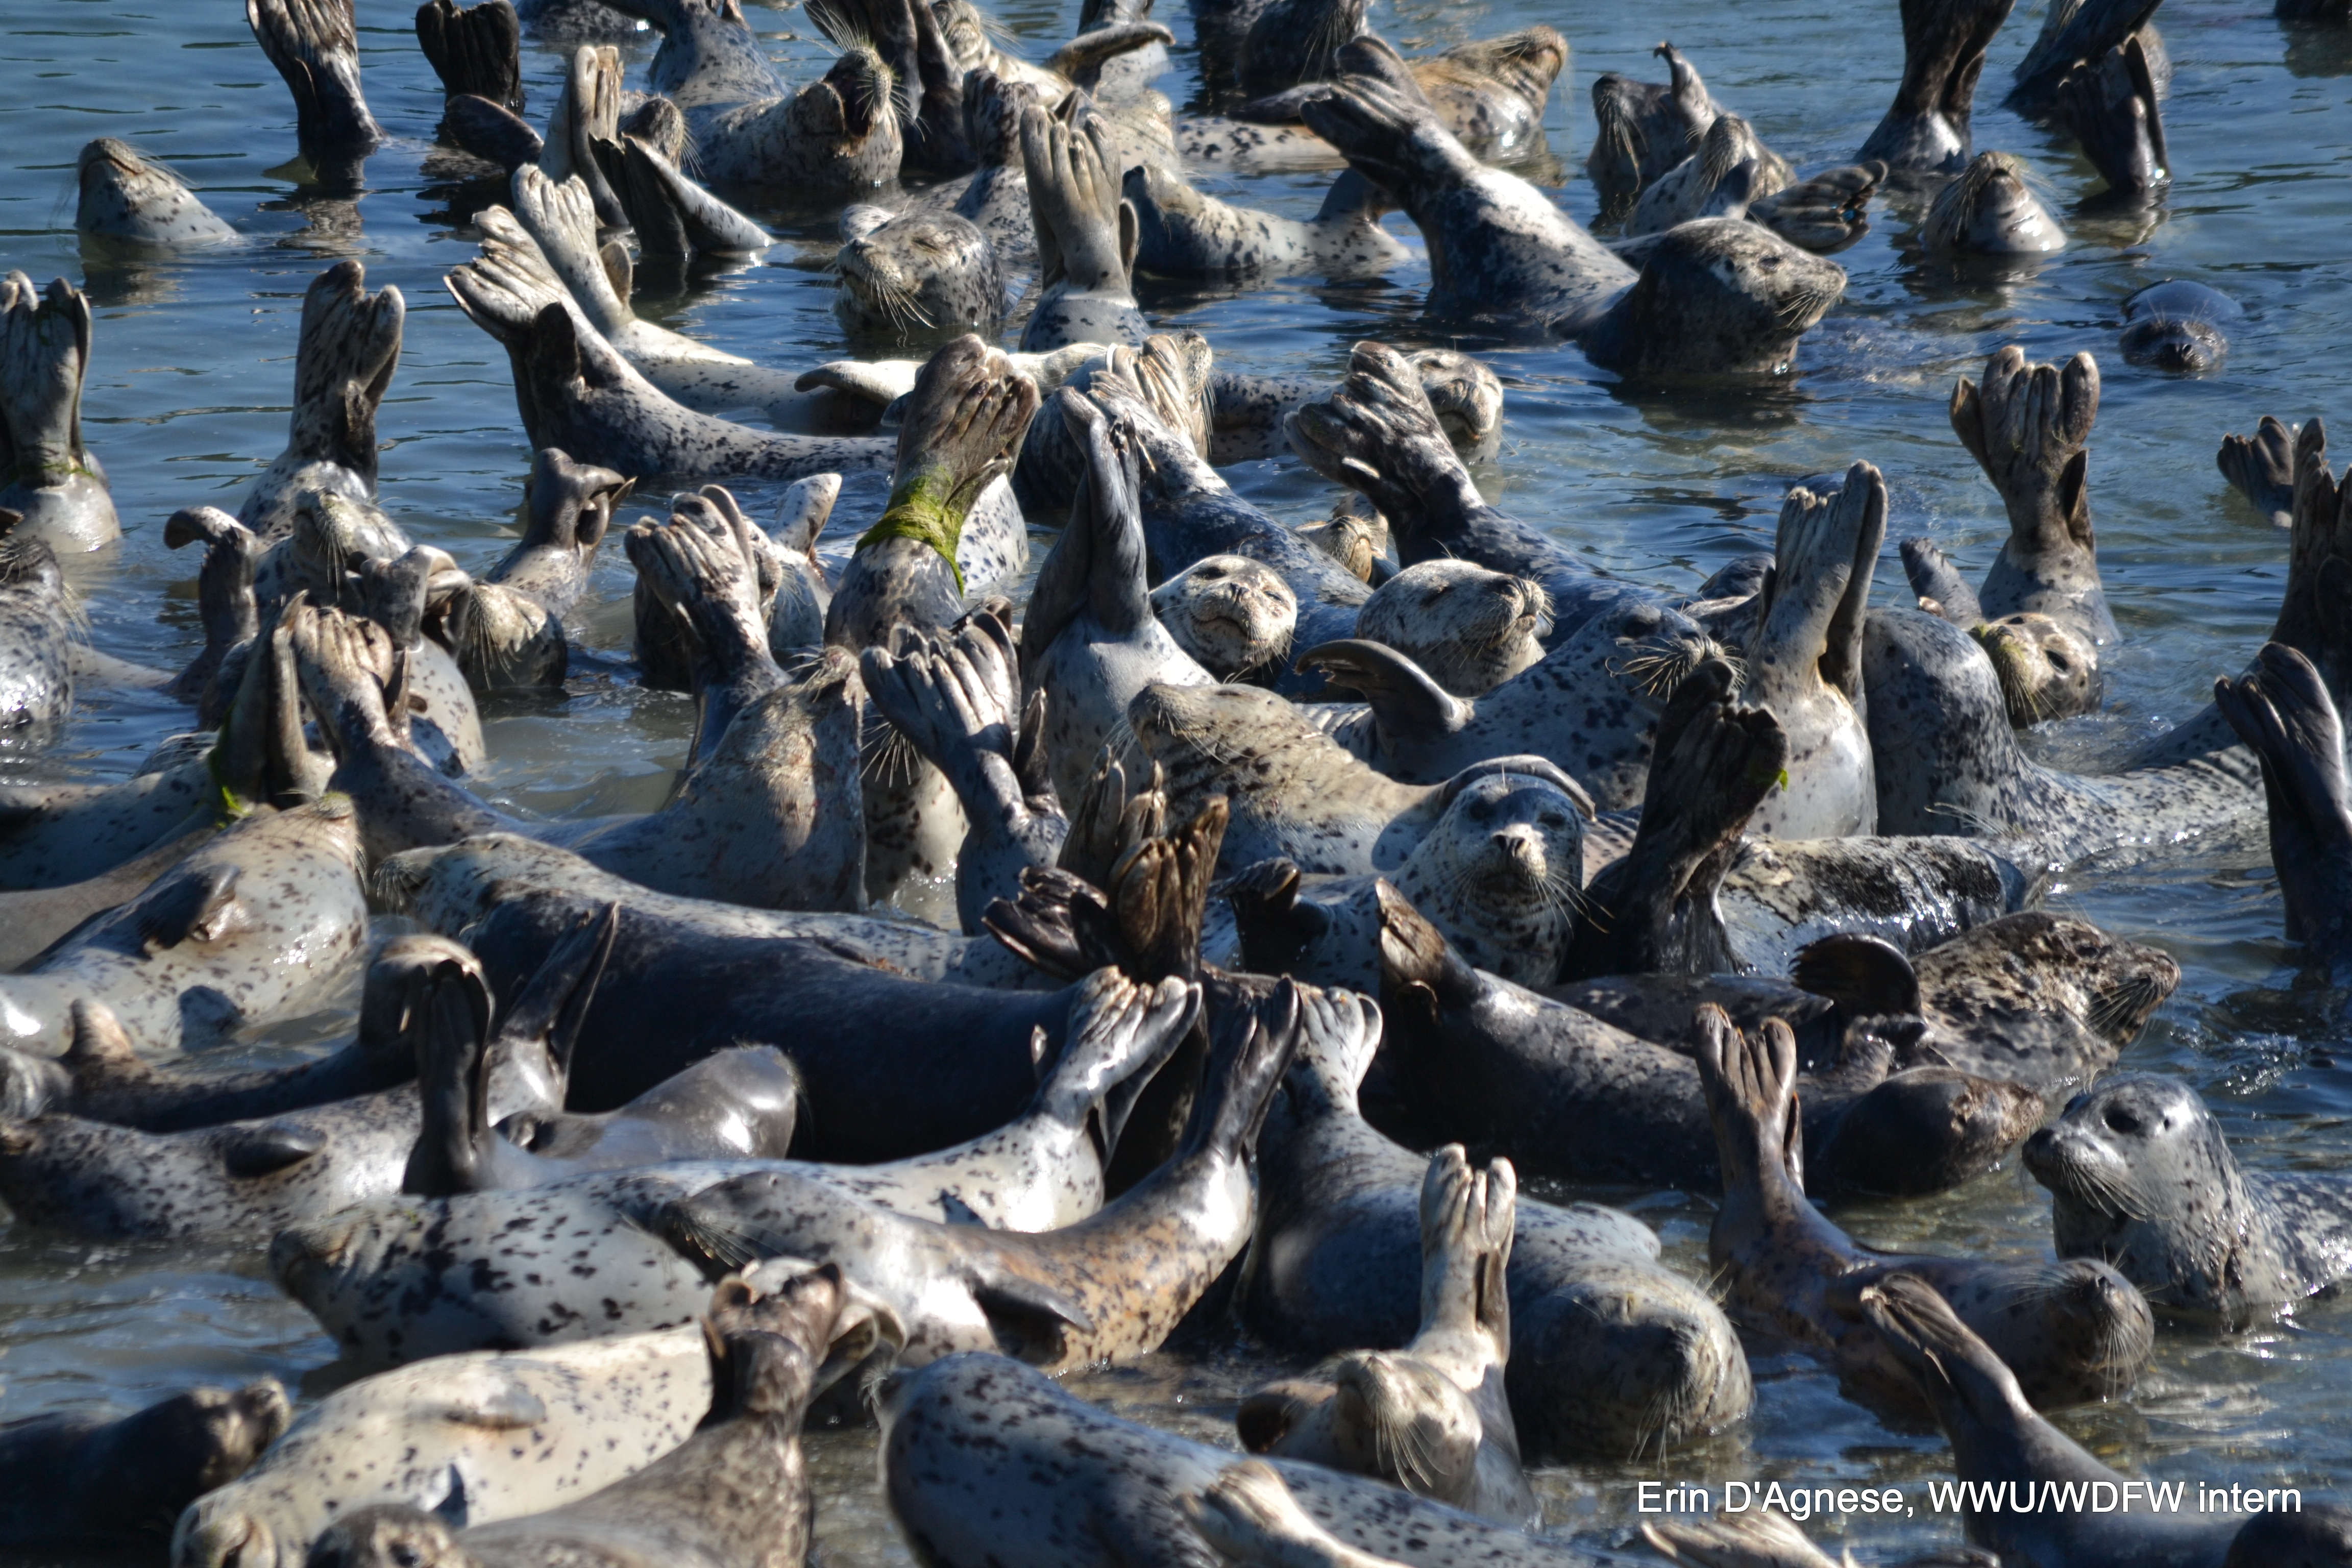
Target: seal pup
[(1469, 628), (1075, 1487), (1086, 232), (40, 626), (1990, 211), (733, 1495), (1233, 615), (2140, 1176), (2179, 326), (1645, 129), (2074, 1333), (2108, 104), (1183, 232), (913, 274), (124, 196), (1714, 297), (343, 364), (1611, 1350), (595, 1264), (1997, 1439), (1431, 1417), (52, 481), (315, 45), (1925, 130), (80, 1478)]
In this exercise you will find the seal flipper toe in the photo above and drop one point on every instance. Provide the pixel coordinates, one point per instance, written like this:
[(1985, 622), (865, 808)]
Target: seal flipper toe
[(2260, 467), (314, 44)]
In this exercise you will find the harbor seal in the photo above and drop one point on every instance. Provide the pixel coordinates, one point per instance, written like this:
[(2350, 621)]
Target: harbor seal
[(1612, 1352), (124, 196), (2140, 1176), (1185, 233), (1431, 1417), (508, 631), (736, 1493), (2074, 1333), (82, 1479), (51, 478), (1729, 168), (1990, 211), (1926, 130), (2283, 710), (315, 45), (1469, 630), (1233, 615), (2108, 104), (2179, 326), (912, 274), (38, 630), (1998, 1440), (1644, 129), (344, 358), (1086, 232)]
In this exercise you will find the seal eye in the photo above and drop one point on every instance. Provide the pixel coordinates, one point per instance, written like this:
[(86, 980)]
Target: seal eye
[(2058, 662), (2122, 1121), (1553, 820), (1480, 811)]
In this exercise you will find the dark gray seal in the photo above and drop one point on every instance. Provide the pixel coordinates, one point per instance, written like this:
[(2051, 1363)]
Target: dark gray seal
[(1990, 211), (2139, 1174), (2075, 1334), (2109, 104), (122, 196), (315, 45), (1997, 1440), (2283, 710), (80, 1479), (1185, 233), (1925, 130), (913, 274), (50, 476), (2179, 326), (1431, 1417)]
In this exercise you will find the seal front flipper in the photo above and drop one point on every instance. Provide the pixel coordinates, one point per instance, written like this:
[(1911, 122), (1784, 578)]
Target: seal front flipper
[(2260, 467), (1941, 588), (1864, 975), (1030, 1318), (315, 45), (1824, 213), (1408, 707), (265, 1151)]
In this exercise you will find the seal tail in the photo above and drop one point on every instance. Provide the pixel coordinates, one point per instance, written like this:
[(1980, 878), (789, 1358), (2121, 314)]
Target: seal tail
[(315, 45), (451, 1027), (475, 50)]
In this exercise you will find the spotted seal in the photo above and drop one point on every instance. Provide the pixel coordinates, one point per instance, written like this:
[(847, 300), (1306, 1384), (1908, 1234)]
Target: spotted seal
[(1716, 296), (124, 196), (52, 481), (1998, 1439), (995, 200), (2179, 326), (315, 45), (1990, 210), (2140, 1175), (1431, 1417), (734, 1493), (84, 1480), (1703, 184), (1469, 628), (2074, 1333), (1926, 130), (38, 628), (1610, 1349), (1233, 615), (1072, 1483), (388, 1296), (1182, 232), (508, 630), (1086, 233), (912, 274)]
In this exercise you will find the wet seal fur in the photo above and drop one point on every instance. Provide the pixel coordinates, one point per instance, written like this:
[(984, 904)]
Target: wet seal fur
[(2179, 326), (46, 474), (124, 196), (1469, 628), (1990, 211), (82, 1479)]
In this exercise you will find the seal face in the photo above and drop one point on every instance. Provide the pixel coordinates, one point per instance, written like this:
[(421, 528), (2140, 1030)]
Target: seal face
[(2046, 670), (124, 196), (918, 273), (1991, 209), (1469, 630), (1233, 615), (2178, 326), (1501, 874)]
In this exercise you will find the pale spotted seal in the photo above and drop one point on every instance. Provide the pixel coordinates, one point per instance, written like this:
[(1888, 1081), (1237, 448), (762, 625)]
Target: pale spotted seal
[(1926, 130), (1469, 628), (315, 45), (343, 363), (1645, 128), (2073, 1332), (82, 1479), (1432, 1416), (1730, 161), (1998, 1440), (125, 196), (1611, 1350), (50, 476), (912, 274), (1990, 210), (1233, 615), (2140, 1175), (733, 1495), (2179, 326)]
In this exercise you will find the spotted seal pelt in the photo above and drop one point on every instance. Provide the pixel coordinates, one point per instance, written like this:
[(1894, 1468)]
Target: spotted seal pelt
[(995, 200), (34, 920), (1440, 1397), (1703, 184), (1926, 130), (87, 1479), (1248, 415), (2108, 104), (1086, 233), (1990, 211), (2179, 326), (1719, 295), (1186, 232), (2077, 31), (1235, 616), (343, 364), (124, 196), (1610, 1349), (2140, 1175), (912, 274), (39, 624), (393, 1282), (315, 45), (1061, 1483), (1997, 1440), (733, 1495), (1469, 628), (2073, 1332), (50, 476)]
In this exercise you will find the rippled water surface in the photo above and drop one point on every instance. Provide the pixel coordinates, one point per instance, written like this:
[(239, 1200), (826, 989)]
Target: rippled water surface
[(188, 396)]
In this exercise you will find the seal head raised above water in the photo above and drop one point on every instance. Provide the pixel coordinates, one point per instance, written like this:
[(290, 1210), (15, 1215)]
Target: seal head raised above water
[(125, 196)]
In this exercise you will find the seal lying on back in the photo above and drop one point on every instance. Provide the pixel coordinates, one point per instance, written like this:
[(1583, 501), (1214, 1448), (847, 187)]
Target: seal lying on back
[(126, 196), (1997, 1440), (343, 363), (78, 1480), (2176, 325), (1644, 129), (1611, 1350), (1990, 210), (734, 1495), (51, 478), (2074, 1333), (2140, 1176), (1469, 629), (1925, 130), (1060, 1483), (1183, 232), (1441, 1397)]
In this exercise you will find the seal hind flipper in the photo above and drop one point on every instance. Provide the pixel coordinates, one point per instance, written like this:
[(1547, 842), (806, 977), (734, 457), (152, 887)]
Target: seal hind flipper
[(1466, 1229), (455, 1149), (1864, 975), (474, 49), (2029, 428), (265, 1151), (1119, 1034), (1749, 1084), (1405, 703), (2108, 104), (315, 45), (1944, 44), (672, 215), (2094, 27), (2260, 467)]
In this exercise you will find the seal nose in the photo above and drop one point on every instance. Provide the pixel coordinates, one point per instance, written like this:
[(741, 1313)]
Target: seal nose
[(234, 1539), (2043, 1154)]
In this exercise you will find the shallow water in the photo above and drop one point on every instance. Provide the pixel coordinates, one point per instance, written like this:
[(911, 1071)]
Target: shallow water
[(188, 396)]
